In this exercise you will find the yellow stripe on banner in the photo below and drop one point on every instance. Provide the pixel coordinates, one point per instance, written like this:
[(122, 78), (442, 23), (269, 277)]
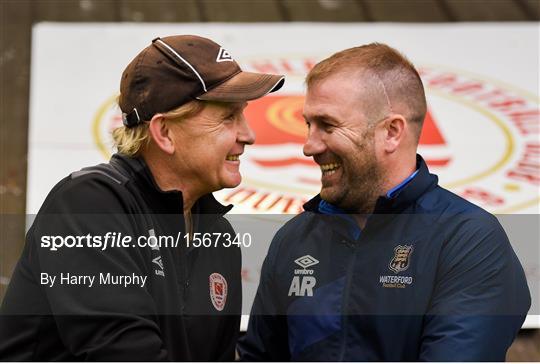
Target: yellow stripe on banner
[(103, 149), (518, 207), (510, 144)]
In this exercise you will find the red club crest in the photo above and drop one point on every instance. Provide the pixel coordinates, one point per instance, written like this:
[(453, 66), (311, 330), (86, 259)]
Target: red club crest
[(218, 291)]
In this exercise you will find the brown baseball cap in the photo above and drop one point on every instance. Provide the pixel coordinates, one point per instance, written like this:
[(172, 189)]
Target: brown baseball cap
[(177, 69)]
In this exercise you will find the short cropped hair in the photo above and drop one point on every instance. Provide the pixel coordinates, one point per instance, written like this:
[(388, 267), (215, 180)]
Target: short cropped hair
[(400, 81), (131, 141)]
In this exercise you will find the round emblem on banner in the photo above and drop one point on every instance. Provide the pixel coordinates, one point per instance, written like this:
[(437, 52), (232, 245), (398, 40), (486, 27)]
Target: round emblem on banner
[(480, 136), (218, 291)]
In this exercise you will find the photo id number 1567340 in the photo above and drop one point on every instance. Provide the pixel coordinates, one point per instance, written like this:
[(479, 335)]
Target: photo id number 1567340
[(226, 240)]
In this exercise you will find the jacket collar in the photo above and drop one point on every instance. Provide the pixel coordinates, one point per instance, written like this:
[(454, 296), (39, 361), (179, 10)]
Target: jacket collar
[(166, 202), (408, 195)]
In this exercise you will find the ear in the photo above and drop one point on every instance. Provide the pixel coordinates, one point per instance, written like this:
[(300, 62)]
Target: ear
[(394, 132), (161, 133)]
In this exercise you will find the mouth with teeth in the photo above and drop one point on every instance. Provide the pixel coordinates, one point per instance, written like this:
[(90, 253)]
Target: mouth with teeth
[(233, 157), (329, 168)]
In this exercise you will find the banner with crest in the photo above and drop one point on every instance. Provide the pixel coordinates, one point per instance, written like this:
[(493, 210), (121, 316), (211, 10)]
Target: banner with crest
[(480, 135)]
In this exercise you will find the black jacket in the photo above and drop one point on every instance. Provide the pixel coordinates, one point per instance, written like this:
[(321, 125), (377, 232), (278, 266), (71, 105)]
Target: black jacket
[(178, 313)]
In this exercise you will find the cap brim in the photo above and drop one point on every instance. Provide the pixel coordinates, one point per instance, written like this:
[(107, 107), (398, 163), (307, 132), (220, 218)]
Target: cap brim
[(244, 86)]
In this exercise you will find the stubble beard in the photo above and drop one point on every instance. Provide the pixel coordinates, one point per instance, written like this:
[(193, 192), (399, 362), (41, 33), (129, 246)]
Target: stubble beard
[(362, 188), (365, 188)]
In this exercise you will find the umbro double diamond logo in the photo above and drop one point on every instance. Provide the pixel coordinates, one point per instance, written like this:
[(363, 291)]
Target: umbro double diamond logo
[(224, 56), (306, 261), (303, 282)]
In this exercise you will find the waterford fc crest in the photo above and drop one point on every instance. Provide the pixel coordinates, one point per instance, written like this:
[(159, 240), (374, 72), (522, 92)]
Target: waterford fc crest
[(401, 259)]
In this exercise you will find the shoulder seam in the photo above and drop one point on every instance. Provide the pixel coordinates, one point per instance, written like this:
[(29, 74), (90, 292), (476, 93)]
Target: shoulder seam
[(103, 169)]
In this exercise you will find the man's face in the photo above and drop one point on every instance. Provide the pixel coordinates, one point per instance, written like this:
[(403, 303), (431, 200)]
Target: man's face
[(342, 143), (209, 144)]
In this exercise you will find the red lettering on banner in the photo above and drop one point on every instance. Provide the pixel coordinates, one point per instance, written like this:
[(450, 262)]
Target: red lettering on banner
[(453, 84), (528, 167), (289, 205), (468, 88), (443, 80), (508, 104), (287, 66), (527, 121), (261, 199), (245, 192), (483, 196), (309, 64), (271, 206), (265, 201), (491, 95), (266, 67), (524, 114)]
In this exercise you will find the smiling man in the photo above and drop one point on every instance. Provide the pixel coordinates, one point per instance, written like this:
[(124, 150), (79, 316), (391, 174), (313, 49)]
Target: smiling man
[(132, 296), (384, 264)]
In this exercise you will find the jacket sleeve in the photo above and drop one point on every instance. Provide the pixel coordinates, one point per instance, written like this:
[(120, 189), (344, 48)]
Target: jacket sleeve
[(104, 322), (266, 338), (481, 297)]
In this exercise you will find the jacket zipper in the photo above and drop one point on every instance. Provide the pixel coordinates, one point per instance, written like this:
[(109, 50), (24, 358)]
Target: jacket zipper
[(346, 295)]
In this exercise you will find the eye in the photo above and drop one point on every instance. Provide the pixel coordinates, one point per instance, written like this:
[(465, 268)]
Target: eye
[(230, 117), (327, 127)]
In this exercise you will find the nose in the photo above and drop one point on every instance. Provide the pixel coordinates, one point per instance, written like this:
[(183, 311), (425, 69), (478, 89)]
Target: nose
[(314, 144), (246, 135)]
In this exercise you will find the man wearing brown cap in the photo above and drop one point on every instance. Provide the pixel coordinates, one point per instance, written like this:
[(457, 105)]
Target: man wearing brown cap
[(94, 281)]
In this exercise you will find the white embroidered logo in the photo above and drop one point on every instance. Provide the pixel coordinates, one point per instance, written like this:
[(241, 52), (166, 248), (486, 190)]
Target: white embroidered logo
[(306, 261), (224, 56), (157, 260), (303, 283)]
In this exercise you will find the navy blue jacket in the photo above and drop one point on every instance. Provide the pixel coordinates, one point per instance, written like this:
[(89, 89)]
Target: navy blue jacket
[(430, 277)]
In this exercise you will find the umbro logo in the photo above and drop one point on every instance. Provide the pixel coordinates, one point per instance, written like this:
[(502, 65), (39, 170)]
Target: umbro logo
[(306, 261), (304, 282), (158, 271), (224, 56), (157, 261)]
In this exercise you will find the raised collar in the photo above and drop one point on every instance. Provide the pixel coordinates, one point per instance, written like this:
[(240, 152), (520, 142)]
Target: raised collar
[(395, 190), (165, 202)]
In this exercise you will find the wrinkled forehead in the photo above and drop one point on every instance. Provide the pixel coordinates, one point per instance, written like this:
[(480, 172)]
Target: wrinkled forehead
[(226, 107)]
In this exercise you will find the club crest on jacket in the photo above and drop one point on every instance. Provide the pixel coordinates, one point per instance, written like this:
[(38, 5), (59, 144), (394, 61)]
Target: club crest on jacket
[(401, 259), (218, 291)]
